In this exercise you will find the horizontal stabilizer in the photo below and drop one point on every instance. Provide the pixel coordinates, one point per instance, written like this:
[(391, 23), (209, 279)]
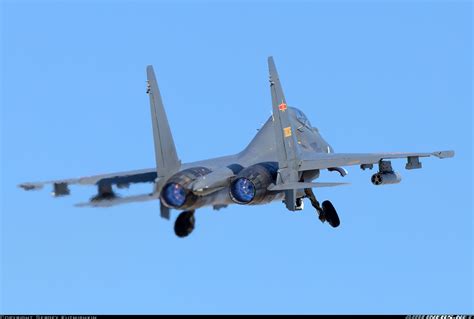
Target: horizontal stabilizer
[(118, 201), (301, 185)]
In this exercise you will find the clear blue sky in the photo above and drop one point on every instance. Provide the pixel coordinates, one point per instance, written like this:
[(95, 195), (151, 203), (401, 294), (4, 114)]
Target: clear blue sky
[(372, 76)]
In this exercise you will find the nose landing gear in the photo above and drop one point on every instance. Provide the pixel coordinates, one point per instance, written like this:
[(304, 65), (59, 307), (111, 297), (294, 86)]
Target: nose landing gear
[(326, 211)]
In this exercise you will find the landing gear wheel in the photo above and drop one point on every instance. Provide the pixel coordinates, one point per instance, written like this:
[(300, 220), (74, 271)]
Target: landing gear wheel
[(184, 224), (330, 214)]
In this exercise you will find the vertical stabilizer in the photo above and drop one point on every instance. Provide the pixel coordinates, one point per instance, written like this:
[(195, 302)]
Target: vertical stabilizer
[(167, 162), (287, 147), (286, 142)]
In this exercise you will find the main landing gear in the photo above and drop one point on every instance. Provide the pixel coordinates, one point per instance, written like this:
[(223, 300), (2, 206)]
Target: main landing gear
[(326, 211), (185, 223)]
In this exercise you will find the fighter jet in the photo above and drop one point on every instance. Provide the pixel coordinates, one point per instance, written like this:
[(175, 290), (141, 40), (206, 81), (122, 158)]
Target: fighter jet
[(279, 164)]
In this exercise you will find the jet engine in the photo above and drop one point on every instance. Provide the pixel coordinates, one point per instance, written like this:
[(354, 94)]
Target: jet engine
[(176, 194), (383, 178), (250, 184)]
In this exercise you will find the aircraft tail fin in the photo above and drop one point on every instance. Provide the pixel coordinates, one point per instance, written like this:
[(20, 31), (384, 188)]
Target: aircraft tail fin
[(167, 161), (286, 142), (287, 147)]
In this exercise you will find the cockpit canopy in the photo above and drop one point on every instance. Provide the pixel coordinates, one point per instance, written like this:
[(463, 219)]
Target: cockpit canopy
[(301, 117)]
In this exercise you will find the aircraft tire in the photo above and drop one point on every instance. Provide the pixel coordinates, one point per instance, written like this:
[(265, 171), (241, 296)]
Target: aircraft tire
[(184, 224), (330, 214)]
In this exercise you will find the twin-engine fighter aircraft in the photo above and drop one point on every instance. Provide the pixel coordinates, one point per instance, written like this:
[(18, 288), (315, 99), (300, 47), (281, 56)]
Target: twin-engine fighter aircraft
[(280, 163)]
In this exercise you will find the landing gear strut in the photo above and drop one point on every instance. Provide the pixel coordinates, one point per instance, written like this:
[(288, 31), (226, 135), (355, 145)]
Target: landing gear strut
[(326, 212), (184, 224)]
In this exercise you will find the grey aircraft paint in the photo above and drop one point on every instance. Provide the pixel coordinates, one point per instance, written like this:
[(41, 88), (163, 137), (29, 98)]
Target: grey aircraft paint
[(280, 163)]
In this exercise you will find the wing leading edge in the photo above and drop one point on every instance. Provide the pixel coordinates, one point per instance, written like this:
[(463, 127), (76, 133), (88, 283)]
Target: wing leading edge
[(119, 178), (324, 161)]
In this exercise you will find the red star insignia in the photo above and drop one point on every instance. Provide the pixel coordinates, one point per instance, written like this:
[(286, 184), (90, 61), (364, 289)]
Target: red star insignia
[(282, 107)]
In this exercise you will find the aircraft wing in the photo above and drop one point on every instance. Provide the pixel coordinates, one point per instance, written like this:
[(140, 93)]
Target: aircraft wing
[(324, 160), (121, 179)]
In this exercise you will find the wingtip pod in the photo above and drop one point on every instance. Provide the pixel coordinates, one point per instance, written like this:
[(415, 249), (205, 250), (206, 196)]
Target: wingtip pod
[(444, 154)]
